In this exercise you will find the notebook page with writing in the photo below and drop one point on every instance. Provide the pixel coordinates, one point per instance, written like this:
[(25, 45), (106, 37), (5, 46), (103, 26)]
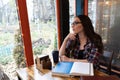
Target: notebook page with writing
[(80, 68)]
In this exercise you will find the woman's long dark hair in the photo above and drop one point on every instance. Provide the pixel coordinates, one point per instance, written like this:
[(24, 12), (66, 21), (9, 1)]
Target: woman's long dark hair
[(90, 33)]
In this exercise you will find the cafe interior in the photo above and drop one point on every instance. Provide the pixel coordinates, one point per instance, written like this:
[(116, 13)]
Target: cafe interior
[(52, 24)]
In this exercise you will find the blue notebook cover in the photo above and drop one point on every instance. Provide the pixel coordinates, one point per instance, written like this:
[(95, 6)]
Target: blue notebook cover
[(63, 68)]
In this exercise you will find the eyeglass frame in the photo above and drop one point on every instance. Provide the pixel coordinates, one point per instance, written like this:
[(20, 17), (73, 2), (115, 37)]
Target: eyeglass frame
[(75, 23)]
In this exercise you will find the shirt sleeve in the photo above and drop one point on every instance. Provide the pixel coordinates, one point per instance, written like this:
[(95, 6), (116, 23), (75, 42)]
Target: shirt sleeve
[(67, 48), (93, 56)]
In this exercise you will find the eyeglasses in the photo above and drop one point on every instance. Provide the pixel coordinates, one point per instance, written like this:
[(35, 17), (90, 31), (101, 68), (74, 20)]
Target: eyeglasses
[(75, 23)]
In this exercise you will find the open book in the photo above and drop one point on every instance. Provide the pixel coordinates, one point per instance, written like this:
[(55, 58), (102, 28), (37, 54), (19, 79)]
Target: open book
[(73, 69)]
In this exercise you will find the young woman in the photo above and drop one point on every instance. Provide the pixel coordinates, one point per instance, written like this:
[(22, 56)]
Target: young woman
[(83, 44)]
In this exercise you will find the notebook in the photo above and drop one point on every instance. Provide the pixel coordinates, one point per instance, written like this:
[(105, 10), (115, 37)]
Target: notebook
[(73, 69)]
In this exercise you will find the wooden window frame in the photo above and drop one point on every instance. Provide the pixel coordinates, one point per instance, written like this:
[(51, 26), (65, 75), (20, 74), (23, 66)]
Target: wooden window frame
[(25, 29)]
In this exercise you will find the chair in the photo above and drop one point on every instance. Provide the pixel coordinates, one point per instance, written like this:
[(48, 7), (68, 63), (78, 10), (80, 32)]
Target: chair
[(106, 61), (116, 66)]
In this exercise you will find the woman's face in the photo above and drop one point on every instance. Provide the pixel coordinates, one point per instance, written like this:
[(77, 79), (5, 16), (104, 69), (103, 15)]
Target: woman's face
[(77, 26)]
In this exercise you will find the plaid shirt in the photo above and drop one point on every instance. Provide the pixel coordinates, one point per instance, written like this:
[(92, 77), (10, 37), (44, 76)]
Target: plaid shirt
[(90, 51)]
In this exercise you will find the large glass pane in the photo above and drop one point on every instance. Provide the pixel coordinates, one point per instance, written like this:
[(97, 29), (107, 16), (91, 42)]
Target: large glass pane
[(105, 15), (43, 26), (71, 11), (11, 46)]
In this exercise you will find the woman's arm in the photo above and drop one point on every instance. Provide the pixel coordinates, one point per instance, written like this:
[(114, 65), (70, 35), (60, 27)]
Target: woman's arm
[(70, 36), (94, 58), (62, 49), (64, 58)]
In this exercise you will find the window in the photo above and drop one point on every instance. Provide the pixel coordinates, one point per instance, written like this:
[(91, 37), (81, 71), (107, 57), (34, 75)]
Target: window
[(11, 46), (71, 11), (42, 19), (105, 15)]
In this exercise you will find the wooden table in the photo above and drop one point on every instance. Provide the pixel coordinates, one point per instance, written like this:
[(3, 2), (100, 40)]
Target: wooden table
[(31, 73)]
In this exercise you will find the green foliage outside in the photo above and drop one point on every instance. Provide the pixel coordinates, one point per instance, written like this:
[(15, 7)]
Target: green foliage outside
[(55, 41), (18, 52), (38, 50), (5, 38), (41, 46), (44, 37), (5, 59)]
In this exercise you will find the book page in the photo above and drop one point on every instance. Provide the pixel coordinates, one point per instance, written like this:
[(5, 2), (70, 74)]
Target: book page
[(81, 68), (62, 68), (92, 70)]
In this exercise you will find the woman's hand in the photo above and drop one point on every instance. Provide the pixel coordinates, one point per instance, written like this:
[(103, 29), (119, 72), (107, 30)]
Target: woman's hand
[(64, 58), (84, 60), (70, 36)]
